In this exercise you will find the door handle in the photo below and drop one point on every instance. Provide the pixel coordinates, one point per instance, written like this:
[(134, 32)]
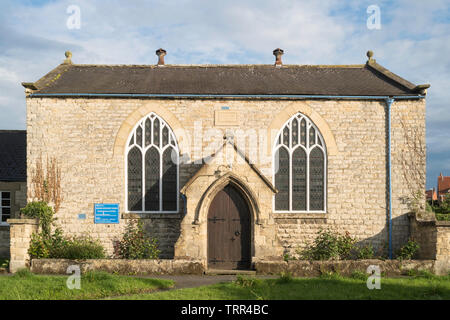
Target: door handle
[(237, 233)]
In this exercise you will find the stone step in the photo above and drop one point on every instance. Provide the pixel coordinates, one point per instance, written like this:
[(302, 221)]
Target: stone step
[(214, 272)]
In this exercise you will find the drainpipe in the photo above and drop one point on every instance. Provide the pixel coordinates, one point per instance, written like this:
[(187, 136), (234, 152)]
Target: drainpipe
[(389, 102)]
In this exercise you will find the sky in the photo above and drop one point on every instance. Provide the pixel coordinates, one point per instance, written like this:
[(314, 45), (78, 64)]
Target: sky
[(413, 41)]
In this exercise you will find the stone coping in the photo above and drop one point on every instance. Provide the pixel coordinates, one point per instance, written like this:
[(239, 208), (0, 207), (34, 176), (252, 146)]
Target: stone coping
[(303, 268), (440, 223), (151, 215), (23, 221), (120, 266), (299, 215)]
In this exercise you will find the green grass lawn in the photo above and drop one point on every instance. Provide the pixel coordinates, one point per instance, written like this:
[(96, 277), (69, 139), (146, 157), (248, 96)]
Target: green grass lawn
[(27, 286), (323, 288), (99, 285)]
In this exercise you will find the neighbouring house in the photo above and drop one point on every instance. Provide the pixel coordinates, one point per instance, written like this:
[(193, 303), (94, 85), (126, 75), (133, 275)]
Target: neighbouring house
[(443, 187), (431, 195), (230, 164), (13, 181)]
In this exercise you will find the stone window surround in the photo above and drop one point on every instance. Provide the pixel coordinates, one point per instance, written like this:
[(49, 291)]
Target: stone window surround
[(323, 147), (171, 135)]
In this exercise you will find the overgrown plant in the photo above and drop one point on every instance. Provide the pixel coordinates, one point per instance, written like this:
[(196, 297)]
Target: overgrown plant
[(135, 244), (329, 245), (78, 248), (408, 251), (42, 211), (366, 252), (48, 244), (46, 182)]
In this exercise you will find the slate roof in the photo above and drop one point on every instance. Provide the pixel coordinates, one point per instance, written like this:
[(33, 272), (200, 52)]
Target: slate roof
[(351, 80), (13, 155)]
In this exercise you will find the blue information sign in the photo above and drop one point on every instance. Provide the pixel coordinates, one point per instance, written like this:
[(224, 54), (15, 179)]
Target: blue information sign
[(106, 213)]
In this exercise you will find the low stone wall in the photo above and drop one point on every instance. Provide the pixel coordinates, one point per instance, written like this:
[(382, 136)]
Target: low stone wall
[(300, 268), (432, 236), (4, 242), (119, 266)]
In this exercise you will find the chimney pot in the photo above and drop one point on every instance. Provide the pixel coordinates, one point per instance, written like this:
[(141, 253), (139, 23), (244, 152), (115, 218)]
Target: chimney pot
[(278, 53), (161, 53)]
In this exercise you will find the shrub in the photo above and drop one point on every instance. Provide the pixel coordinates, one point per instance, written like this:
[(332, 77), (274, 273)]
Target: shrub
[(366, 252), (329, 245), (359, 275), (408, 251), (42, 211), (135, 244), (77, 248)]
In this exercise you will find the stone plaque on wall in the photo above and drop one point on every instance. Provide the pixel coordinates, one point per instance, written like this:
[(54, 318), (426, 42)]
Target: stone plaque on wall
[(225, 118)]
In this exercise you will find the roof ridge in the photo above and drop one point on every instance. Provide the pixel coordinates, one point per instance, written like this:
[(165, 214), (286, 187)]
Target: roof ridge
[(222, 65)]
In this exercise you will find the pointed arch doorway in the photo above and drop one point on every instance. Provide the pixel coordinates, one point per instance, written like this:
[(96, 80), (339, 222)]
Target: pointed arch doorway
[(229, 230)]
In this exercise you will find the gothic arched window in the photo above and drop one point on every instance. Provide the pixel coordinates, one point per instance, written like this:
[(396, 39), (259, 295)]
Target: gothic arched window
[(152, 167), (300, 167)]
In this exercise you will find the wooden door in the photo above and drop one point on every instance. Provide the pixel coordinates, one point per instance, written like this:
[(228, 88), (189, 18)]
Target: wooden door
[(229, 231)]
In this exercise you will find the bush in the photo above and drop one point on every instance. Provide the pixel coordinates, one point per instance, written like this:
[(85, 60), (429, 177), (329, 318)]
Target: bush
[(58, 247), (366, 252), (330, 245), (42, 211), (135, 244), (408, 251), (78, 248)]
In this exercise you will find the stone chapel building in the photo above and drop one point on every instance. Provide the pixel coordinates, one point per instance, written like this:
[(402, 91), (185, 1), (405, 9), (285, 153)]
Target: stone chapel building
[(231, 164)]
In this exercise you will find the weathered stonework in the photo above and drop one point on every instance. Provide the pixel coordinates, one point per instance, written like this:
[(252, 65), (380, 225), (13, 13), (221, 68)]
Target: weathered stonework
[(119, 266), (88, 137), (348, 267), (432, 236), (21, 231)]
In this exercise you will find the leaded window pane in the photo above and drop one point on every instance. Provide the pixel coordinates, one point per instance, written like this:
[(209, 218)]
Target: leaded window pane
[(156, 134), (312, 136), (148, 132), (303, 132), (6, 195), (152, 180), (139, 136), (286, 136), (151, 176), (298, 159), (299, 179), (316, 177), (294, 132), (165, 136), (169, 178), (282, 179), (134, 180)]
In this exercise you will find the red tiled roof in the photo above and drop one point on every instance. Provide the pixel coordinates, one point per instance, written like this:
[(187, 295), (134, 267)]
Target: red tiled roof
[(443, 184)]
